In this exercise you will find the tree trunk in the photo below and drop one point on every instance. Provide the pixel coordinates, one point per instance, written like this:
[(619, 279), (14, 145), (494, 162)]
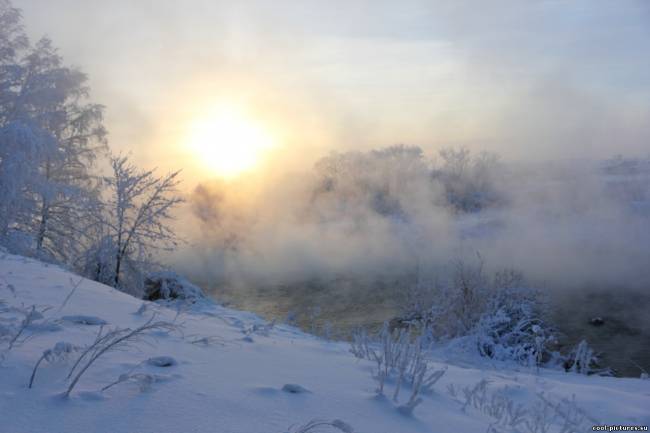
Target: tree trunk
[(45, 214), (118, 263), (42, 228)]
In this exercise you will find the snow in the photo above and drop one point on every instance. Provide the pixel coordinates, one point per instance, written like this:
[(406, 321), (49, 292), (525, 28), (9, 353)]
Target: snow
[(218, 383)]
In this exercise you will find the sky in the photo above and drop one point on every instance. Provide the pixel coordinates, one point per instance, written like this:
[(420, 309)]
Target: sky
[(527, 79)]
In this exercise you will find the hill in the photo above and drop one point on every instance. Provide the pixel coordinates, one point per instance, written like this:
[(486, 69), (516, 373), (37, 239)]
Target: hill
[(207, 368)]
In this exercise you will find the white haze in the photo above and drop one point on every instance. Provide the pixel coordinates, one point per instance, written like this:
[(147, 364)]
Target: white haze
[(576, 224), (535, 81), (540, 79)]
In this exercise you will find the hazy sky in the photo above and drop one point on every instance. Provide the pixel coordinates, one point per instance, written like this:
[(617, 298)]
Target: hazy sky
[(556, 79)]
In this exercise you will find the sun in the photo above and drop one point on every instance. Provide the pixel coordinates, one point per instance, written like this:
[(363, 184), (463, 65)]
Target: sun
[(228, 142)]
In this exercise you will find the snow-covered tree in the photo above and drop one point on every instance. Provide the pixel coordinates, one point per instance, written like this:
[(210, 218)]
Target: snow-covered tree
[(13, 41), (22, 148), (136, 222), (355, 185), (50, 137), (54, 96), (469, 181), (18, 143)]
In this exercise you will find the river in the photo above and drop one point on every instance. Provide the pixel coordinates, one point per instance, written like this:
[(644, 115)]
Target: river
[(336, 307)]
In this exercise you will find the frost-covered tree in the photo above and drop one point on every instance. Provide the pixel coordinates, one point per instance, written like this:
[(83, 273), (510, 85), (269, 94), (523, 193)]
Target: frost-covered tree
[(54, 97), (398, 181), (12, 42), (18, 142), (22, 148), (469, 181), (135, 223), (356, 185), (49, 137)]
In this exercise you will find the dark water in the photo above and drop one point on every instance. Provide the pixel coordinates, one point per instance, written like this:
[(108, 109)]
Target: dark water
[(342, 304), (623, 340)]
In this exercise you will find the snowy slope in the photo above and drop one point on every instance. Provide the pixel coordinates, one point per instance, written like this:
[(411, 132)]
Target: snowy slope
[(230, 384)]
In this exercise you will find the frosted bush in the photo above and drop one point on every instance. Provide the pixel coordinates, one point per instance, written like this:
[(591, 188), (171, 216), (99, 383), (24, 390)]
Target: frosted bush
[(400, 356), (583, 360), (170, 285), (545, 415), (450, 308), (499, 317), (512, 329)]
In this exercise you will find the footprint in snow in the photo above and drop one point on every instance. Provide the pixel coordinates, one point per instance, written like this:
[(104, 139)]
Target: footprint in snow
[(84, 320), (293, 388), (162, 361)]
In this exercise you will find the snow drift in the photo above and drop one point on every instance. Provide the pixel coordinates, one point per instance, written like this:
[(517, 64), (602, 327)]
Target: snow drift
[(210, 378)]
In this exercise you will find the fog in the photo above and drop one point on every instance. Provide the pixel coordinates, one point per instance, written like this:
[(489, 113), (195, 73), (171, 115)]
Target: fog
[(529, 80), (554, 88), (512, 114), (396, 212), (352, 236)]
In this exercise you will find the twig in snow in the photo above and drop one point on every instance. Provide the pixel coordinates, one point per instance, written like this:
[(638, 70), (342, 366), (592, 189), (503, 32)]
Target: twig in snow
[(75, 286), (29, 318), (112, 340), (59, 351)]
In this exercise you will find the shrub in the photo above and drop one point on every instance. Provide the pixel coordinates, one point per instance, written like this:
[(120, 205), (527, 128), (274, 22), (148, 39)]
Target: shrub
[(399, 355), (513, 328), (499, 317), (583, 360), (544, 416), (170, 285)]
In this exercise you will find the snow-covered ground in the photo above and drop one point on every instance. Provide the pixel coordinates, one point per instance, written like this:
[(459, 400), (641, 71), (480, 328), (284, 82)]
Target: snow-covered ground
[(223, 381)]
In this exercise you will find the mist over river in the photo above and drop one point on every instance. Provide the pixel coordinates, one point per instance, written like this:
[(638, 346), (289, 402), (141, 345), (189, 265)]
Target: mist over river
[(358, 226), (622, 340)]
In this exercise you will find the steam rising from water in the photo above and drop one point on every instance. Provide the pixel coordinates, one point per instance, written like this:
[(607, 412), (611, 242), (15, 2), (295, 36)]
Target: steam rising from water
[(394, 212)]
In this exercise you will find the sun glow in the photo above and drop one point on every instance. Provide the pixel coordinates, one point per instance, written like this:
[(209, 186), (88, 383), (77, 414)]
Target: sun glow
[(228, 142)]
